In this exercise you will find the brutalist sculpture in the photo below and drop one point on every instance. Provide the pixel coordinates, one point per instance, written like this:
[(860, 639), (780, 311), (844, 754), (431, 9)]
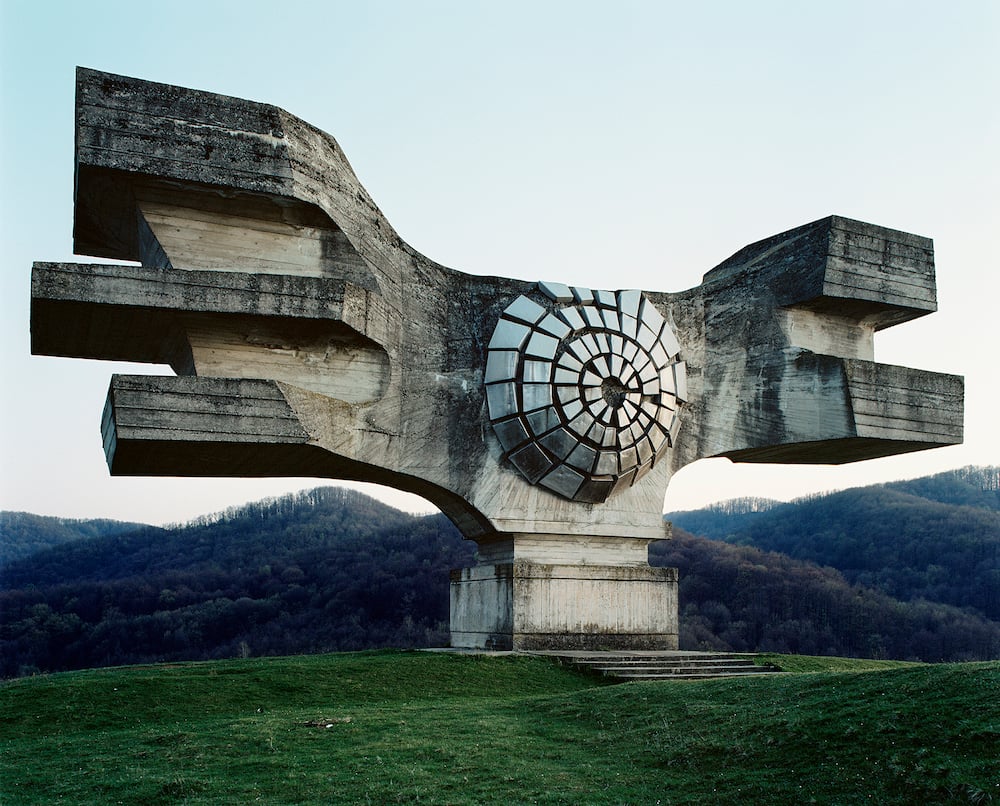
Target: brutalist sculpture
[(309, 340)]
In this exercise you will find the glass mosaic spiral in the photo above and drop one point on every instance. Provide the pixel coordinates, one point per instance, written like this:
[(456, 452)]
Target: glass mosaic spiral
[(583, 388)]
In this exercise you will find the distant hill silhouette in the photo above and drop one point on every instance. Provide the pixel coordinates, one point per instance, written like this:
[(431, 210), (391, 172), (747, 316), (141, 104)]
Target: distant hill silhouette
[(332, 569), (935, 538), (329, 569), (969, 486), (268, 531), (23, 534), (739, 598)]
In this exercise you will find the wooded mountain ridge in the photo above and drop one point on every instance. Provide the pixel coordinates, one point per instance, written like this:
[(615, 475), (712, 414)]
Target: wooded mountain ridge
[(23, 534), (935, 538), (332, 569)]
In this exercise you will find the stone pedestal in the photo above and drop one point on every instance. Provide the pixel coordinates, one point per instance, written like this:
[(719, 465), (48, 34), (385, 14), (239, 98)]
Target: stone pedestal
[(537, 592)]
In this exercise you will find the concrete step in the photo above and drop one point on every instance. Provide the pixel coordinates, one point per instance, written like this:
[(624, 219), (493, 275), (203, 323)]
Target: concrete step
[(715, 671), (615, 668), (657, 659), (666, 665), (693, 663), (691, 676)]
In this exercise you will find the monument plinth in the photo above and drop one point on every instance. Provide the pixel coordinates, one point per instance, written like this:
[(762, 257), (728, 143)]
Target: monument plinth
[(544, 419)]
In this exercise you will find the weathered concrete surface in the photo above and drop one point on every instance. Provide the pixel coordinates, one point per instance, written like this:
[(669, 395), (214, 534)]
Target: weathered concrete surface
[(528, 605), (309, 339), (798, 385)]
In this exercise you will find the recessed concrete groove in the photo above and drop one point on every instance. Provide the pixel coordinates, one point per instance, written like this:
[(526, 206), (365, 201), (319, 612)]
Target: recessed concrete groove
[(665, 665)]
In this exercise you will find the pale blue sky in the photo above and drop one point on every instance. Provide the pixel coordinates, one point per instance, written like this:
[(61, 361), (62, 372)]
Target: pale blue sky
[(605, 145)]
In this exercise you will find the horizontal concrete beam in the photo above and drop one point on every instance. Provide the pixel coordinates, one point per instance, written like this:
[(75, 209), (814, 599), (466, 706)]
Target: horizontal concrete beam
[(223, 427), (138, 314), (804, 408), (836, 264)]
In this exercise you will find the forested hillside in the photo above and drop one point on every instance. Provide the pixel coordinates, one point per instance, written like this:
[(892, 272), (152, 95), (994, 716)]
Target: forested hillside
[(725, 518), (969, 486), (271, 532), (739, 598), (335, 570), (330, 569), (24, 534), (936, 538)]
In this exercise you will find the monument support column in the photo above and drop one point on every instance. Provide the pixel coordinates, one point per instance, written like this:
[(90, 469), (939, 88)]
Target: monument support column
[(538, 591)]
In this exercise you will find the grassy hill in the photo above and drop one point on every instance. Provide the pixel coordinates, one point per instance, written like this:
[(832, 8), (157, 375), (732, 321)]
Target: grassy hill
[(396, 727)]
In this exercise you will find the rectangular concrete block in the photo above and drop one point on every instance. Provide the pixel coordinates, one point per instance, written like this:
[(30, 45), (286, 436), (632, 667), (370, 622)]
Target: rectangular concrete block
[(481, 612), (532, 606)]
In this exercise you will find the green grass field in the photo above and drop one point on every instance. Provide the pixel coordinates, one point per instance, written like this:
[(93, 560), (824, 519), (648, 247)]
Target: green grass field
[(408, 727)]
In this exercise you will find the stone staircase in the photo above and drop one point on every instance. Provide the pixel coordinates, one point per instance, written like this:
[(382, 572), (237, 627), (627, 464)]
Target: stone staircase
[(664, 665)]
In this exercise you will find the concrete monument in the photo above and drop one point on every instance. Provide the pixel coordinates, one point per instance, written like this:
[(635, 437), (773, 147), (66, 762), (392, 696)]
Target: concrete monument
[(546, 420)]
